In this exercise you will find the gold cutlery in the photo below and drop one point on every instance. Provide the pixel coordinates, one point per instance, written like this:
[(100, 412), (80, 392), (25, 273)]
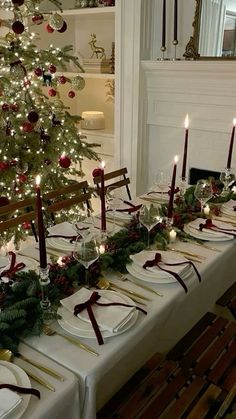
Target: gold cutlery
[(202, 245), (135, 294), (7, 355), (50, 332), (38, 379), (123, 278), (191, 256), (103, 284)]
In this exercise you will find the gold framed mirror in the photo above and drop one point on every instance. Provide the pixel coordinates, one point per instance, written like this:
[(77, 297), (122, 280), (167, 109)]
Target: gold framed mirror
[(214, 31)]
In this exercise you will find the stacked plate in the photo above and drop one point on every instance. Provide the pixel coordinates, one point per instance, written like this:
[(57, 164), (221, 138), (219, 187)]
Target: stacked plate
[(81, 326), (12, 374), (121, 216), (157, 194), (229, 209), (207, 234), (155, 274)]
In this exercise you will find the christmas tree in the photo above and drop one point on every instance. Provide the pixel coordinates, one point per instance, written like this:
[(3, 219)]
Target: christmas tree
[(38, 135)]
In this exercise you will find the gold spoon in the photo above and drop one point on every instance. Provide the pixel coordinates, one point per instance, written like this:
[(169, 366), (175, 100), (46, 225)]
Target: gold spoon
[(7, 355), (103, 284)]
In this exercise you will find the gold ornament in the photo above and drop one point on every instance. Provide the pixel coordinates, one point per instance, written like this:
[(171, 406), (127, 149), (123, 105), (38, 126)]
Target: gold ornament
[(10, 37)]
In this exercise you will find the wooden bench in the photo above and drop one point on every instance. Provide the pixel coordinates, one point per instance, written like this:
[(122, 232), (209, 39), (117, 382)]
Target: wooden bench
[(195, 380), (228, 299)]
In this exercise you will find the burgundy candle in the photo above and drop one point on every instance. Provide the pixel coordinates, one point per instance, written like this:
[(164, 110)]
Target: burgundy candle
[(175, 20), (186, 124), (231, 146), (103, 201), (172, 190), (163, 42), (41, 234)]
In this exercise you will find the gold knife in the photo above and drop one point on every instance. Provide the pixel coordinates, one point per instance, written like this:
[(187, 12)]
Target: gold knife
[(42, 367), (145, 287), (79, 343), (135, 299), (39, 380), (135, 294)]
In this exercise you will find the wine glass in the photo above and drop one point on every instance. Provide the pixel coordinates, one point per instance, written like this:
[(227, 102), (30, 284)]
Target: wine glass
[(113, 201), (203, 192), (149, 216), (86, 252), (162, 181), (226, 178)]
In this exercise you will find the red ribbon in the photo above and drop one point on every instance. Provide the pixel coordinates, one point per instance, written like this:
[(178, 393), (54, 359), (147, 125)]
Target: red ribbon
[(133, 208), (23, 390), (88, 306), (208, 225), (71, 238), (13, 266), (158, 259)]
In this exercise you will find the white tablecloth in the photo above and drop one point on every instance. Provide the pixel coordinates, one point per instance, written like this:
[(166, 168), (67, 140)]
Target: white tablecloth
[(168, 318), (63, 403)]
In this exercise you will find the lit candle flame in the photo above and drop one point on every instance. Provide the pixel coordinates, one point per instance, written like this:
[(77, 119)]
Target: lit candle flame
[(102, 249), (186, 122), (234, 121), (176, 159), (103, 164), (38, 180)]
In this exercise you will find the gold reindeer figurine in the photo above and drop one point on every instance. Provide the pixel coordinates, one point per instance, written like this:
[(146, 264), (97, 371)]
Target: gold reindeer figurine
[(98, 51)]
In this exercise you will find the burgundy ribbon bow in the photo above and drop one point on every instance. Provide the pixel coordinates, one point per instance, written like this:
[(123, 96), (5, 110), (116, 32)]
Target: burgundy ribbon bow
[(88, 306), (208, 225), (133, 208), (23, 390), (13, 266), (158, 260), (71, 238)]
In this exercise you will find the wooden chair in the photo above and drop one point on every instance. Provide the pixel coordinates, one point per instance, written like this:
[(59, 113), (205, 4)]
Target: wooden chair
[(228, 299), (109, 180), (16, 213), (195, 380), (58, 199)]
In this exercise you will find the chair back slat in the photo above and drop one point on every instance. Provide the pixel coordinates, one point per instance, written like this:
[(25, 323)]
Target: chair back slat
[(8, 209), (117, 183), (74, 187), (67, 203), (15, 221)]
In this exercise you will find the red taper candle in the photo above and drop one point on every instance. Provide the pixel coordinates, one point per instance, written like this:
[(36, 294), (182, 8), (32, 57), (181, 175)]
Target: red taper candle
[(172, 190), (175, 20), (41, 231), (231, 145), (163, 42), (186, 124), (103, 199)]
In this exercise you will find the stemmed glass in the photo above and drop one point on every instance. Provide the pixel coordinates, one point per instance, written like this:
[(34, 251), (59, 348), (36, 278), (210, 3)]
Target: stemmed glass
[(162, 181), (203, 192), (226, 178), (113, 201), (86, 252), (149, 216)]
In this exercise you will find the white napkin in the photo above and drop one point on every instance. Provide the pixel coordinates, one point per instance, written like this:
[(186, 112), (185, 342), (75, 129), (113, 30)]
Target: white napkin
[(211, 233), (9, 400), (63, 229), (111, 318)]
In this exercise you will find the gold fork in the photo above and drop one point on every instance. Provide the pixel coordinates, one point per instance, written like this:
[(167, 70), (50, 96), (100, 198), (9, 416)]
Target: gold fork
[(50, 332)]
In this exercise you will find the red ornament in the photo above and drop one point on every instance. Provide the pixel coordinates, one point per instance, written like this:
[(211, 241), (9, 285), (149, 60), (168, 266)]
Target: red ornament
[(71, 94), (5, 107), (64, 161), (97, 172), (13, 162), (4, 201), (33, 117), (27, 82), (27, 127), (38, 19), (49, 29), (26, 225), (38, 71), (3, 166), (21, 178), (52, 92), (64, 27), (18, 27), (17, 2), (52, 68), (62, 79), (14, 107)]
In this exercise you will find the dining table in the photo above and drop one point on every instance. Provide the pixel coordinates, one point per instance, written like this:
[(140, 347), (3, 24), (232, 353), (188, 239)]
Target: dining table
[(169, 316)]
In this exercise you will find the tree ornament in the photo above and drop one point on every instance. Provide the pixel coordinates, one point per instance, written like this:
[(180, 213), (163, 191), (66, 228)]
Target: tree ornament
[(97, 172), (52, 68), (71, 94), (18, 27), (22, 167), (13, 162), (38, 19), (27, 82), (3, 165), (18, 71), (49, 29), (55, 121), (62, 79), (27, 127), (21, 178), (52, 92), (47, 79), (45, 138), (5, 107), (33, 117), (64, 28), (78, 83), (64, 161), (56, 21), (47, 162), (38, 71), (4, 201), (14, 107), (26, 225), (9, 37), (17, 2)]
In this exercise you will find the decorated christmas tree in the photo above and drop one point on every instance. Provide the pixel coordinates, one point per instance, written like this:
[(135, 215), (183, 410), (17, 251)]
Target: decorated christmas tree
[(38, 135)]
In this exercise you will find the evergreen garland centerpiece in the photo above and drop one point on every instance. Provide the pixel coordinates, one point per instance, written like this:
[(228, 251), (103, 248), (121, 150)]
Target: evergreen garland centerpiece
[(38, 135)]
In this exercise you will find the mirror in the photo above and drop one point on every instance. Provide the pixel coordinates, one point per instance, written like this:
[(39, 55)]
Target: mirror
[(214, 30)]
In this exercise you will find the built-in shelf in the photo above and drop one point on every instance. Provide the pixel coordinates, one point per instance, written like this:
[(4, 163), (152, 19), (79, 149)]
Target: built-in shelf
[(93, 12), (104, 76)]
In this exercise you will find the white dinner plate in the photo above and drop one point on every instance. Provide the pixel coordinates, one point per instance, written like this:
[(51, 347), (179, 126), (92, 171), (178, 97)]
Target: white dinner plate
[(60, 244), (167, 257), (139, 273), (204, 236), (117, 215), (22, 380), (81, 328), (30, 264)]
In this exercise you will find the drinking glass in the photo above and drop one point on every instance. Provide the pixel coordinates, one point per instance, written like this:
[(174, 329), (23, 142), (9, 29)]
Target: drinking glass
[(149, 216), (113, 202), (226, 178), (86, 252), (162, 181), (203, 192)]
